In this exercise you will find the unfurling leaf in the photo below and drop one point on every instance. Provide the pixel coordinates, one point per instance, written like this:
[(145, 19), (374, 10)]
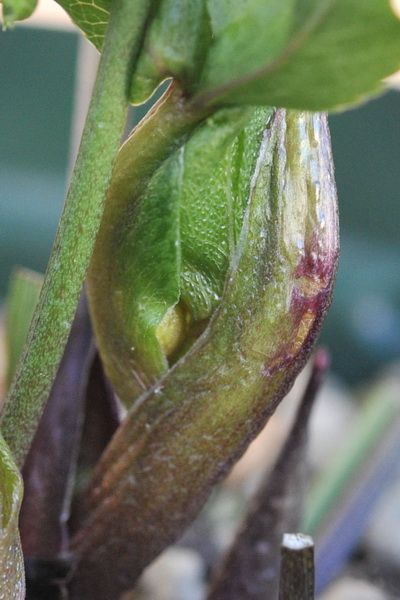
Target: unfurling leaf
[(181, 436), (170, 262), (139, 181), (12, 581)]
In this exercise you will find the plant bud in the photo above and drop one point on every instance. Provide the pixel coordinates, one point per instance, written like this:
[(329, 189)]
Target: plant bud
[(184, 433), (164, 251)]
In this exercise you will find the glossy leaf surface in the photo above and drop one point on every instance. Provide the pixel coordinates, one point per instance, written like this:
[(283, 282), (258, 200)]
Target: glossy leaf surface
[(184, 433), (12, 582)]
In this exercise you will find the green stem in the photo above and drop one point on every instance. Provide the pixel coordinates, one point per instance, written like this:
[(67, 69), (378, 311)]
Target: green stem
[(78, 226)]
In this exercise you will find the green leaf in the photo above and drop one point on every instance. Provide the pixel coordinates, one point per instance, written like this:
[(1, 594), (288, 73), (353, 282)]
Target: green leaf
[(91, 17), (12, 581), (219, 160), (17, 10), (171, 246), (147, 264), (175, 42), (110, 291), (22, 298), (303, 54), (182, 435)]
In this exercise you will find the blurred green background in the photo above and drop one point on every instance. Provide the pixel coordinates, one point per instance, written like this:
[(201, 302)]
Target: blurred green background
[(37, 72)]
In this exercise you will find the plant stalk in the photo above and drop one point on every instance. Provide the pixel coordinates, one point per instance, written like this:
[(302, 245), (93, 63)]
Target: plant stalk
[(78, 226)]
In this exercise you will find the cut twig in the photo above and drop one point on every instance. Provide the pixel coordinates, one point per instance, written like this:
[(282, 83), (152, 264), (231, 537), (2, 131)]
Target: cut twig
[(297, 567), (251, 568)]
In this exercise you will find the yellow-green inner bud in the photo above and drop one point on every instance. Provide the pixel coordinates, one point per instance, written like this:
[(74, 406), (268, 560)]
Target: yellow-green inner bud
[(173, 329)]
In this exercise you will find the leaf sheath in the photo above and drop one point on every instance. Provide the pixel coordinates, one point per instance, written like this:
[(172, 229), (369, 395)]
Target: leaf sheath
[(180, 438)]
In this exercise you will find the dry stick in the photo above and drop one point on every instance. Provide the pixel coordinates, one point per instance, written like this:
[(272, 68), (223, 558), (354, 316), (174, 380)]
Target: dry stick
[(297, 567), (250, 570)]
